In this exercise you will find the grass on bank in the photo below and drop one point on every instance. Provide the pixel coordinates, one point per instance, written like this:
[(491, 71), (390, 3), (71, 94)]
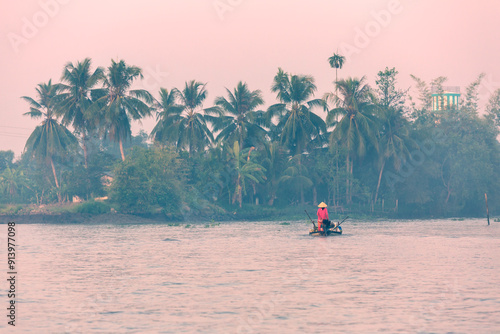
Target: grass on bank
[(88, 207), (203, 214)]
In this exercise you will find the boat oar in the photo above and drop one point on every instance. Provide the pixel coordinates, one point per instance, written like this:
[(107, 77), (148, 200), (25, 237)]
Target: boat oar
[(310, 219), (342, 221)]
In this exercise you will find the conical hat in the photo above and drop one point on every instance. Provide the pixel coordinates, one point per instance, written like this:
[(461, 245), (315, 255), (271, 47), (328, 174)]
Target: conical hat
[(322, 205)]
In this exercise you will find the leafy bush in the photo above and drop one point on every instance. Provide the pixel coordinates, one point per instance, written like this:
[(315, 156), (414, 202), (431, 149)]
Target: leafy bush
[(10, 209), (147, 179), (92, 207)]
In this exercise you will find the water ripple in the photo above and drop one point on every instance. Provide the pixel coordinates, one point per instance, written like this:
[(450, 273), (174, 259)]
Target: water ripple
[(392, 276)]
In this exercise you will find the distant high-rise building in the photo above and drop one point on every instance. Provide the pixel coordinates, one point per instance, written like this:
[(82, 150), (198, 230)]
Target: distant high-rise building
[(446, 99)]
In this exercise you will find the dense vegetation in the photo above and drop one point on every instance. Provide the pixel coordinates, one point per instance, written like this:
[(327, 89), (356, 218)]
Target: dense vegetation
[(378, 150)]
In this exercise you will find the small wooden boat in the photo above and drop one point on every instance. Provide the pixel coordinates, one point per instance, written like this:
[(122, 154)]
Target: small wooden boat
[(333, 228), (331, 231)]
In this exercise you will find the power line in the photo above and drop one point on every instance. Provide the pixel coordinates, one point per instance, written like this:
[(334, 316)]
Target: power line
[(18, 135), (14, 127)]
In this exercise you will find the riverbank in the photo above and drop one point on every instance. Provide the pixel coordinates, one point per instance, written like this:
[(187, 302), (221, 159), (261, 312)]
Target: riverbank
[(91, 212), (97, 212)]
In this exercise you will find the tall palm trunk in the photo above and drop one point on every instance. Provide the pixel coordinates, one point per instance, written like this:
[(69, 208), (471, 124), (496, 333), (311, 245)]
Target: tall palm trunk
[(337, 183), (84, 145), (336, 80), (59, 199), (302, 199), (241, 143), (272, 194), (350, 183), (237, 194), (379, 179), (191, 130), (347, 180), (240, 198), (54, 172), (121, 150)]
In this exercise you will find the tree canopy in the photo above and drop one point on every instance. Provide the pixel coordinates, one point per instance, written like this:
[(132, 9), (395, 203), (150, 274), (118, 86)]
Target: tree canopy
[(379, 150)]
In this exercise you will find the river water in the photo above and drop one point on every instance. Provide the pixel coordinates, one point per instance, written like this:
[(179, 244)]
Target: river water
[(433, 276)]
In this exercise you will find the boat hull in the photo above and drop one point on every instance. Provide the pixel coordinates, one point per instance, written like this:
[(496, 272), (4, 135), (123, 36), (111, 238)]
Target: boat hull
[(331, 232)]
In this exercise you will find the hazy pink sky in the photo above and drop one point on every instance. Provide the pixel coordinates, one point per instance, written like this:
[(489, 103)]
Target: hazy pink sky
[(224, 41)]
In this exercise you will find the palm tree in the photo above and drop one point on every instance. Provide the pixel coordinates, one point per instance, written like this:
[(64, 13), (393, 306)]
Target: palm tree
[(355, 130), (76, 97), (297, 124), (167, 117), (296, 176), (239, 120), (393, 132), (50, 139), (11, 181), (190, 123), (116, 104), (337, 62), (245, 169), (394, 141), (273, 162)]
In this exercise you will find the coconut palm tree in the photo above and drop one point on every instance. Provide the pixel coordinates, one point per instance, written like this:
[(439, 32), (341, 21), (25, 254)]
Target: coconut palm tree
[(190, 123), (274, 161), (50, 139), (297, 124), (116, 105), (167, 117), (337, 62), (296, 176), (78, 81), (394, 136), (238, 122), (245, 168), (394, 141), (12, 181), (355, 131)]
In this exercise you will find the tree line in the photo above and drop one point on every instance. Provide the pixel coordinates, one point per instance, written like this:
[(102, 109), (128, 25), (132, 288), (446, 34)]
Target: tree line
[(378, 150)]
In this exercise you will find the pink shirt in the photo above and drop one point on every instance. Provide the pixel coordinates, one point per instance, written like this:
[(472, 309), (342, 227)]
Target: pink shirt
[(322, 214)]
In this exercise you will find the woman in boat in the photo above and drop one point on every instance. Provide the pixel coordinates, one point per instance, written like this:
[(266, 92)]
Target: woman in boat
[(323, 221)]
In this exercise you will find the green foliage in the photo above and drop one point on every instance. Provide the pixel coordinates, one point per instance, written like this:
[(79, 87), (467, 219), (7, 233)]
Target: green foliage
[(181, 122), (336, 61), (493, 108), (11, 209), (6, 159), (147, 181), (389, 95), (245, 170), (376, 158), (116, 104), (471, 95), (425, 96), (50, 140), (74, 101), (92, 207), (297, 124), (237, 118)]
